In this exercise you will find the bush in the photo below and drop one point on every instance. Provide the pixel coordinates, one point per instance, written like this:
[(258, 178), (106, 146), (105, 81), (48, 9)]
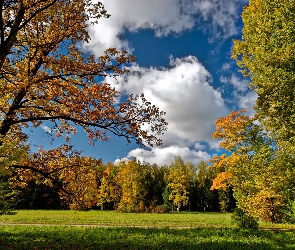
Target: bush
[(244, 220), (7, 212), (161, 209)]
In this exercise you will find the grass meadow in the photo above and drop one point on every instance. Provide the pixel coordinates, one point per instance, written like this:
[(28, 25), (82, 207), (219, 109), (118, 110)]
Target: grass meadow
[(47, 229)]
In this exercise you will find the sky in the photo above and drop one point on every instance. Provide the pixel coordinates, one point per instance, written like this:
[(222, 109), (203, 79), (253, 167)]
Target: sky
[(184, 67)]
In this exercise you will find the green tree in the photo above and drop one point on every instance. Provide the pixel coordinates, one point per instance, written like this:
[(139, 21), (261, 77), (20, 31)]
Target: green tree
[(266, 55), (155, 184), (11, 151), (202, 198)]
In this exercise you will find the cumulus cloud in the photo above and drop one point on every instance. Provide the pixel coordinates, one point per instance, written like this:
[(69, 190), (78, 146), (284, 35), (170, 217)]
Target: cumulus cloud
[(184, 92), (218, 17), (247, 101), (162, 156)]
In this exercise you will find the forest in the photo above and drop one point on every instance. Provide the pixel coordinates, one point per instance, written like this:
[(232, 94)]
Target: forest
[(126, 186)]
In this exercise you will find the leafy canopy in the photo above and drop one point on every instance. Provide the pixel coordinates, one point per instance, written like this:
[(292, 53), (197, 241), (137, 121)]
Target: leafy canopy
[(45, 76), (266, 55)]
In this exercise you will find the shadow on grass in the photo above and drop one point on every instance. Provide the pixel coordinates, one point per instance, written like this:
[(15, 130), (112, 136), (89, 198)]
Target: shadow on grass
[(51, 237)]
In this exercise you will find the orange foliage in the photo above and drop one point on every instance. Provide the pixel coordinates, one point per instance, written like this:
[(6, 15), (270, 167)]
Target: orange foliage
[(222, 181), (46, 77)]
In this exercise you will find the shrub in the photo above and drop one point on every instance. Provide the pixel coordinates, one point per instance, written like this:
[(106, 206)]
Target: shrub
[(161, 209), (244, 220)]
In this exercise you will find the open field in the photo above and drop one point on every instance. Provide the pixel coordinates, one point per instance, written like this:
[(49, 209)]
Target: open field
[(112, 230)]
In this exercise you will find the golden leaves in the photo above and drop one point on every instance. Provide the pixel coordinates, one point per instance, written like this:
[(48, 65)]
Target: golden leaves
[(52, 79)]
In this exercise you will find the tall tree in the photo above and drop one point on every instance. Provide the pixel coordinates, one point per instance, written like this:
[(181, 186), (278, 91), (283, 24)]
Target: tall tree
[(79, 183), (179, 177), (109, 190), (132, 178), (266, 55), (202, 198)]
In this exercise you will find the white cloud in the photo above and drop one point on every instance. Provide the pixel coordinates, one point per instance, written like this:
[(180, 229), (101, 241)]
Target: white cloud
[(217, 17), (243, 97), (46, 129), (162, 156), (247, 101), (226, 67), (184, 92), (240, 85), (199, 146)]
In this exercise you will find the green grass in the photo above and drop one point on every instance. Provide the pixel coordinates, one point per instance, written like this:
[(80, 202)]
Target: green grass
[(136, 231), (112, 218)]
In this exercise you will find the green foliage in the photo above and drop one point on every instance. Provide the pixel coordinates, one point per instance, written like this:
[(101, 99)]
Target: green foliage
[(227, 202), (166, 195), (266, 55), (244, 220)]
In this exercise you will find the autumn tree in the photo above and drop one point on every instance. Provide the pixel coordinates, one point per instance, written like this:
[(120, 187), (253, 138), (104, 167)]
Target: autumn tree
[(11, 151), (266, 55), (259, 171), (132, 178), (79, 188), (45, 76), (179, 178), (109, 190)]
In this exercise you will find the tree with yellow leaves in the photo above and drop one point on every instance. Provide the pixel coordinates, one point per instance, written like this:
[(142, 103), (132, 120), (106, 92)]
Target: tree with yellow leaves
[(179, 178), (79, 190), (132, 179), (259, 171), (265, 53), (109, 190)]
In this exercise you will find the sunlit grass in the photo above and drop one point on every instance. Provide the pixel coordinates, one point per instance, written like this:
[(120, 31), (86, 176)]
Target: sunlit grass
[(60, 229), (112, 218)]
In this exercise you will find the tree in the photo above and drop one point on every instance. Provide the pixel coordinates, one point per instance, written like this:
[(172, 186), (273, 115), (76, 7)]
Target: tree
[(179, 178), (266, 55), (155, 185), (79, 183), (132, 178), (11, 151), (45, 76), (202, 198), (260, 172), (109, 191)]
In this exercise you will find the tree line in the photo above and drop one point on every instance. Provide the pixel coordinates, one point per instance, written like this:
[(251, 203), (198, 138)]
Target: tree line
[(127, 186)]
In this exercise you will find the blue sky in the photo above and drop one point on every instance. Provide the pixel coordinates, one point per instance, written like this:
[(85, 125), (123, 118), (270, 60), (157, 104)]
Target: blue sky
[(184, 66)]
